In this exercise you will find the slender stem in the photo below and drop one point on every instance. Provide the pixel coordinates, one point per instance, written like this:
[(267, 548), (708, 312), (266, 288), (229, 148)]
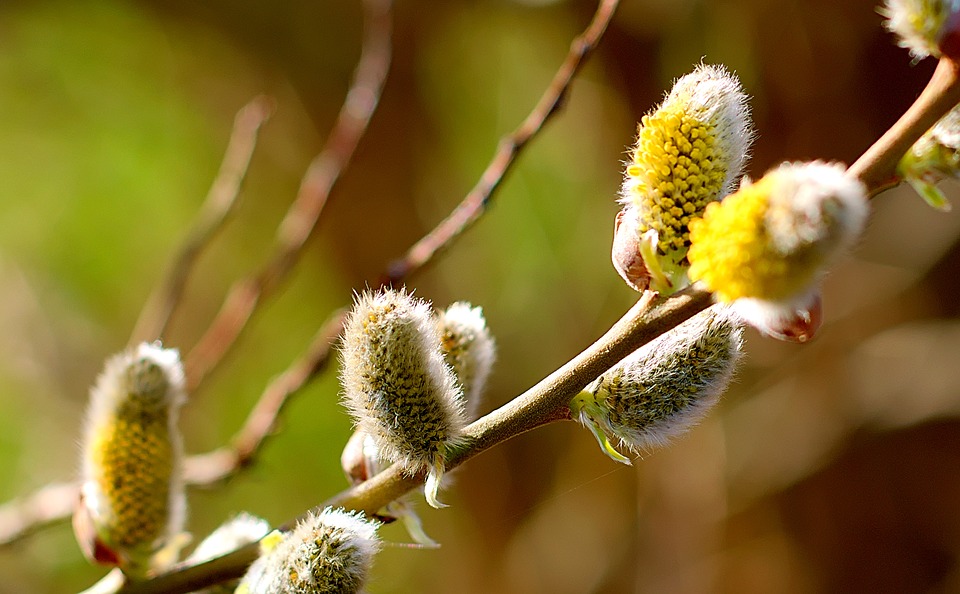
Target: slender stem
[(25, 515), (301, 219), (877, 167), (206, 469), (219, 204), (475, 203)]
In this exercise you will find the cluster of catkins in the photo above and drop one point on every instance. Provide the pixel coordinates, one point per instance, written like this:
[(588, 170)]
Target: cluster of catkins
[(690, 215), (412, 380)]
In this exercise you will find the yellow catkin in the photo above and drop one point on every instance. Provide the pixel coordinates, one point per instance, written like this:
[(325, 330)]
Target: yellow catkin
[(135, 458), (132, 493), (772, 240), (690, 151)]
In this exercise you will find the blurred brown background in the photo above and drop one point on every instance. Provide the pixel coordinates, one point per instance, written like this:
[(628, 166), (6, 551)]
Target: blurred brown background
[(828, 467)]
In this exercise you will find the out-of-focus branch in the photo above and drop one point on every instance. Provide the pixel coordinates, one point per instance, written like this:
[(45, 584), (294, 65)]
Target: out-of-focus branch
[(55, 502), (219, 204), (25, 515), (206, 469), (877, 167), (301, 219), (475, 203)]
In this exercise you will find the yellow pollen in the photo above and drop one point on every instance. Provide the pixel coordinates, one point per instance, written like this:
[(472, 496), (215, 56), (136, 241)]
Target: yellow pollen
[(675, 173), (134, 457), (733, 254)]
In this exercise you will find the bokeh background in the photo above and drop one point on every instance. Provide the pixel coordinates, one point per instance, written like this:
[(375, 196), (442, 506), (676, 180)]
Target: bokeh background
[(828, 467)]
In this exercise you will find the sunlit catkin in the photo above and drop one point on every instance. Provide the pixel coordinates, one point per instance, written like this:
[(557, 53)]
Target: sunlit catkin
[(468, 349), (132, 495), (327, 553), (397, 386), (690, 151), (664, 387), (767, 247)]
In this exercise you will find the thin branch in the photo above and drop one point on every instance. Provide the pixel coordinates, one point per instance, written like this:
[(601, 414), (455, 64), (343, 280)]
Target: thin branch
[(301, 219), (54, 503), (206, 469), (476, 202), (219, 204), (877, 167), (25, 515)]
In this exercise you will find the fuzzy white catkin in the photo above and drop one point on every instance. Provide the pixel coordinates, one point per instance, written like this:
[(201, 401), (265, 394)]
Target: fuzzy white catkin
[(468, 349), (327, 553), (397, 386), (767, 247), (133, 500), (666, 386)]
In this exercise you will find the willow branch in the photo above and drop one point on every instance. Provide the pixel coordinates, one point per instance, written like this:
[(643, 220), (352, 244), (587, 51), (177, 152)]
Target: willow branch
[(205, 469), (476, 202), (301, 219), (219, 204), (877, 167), (25, 515)]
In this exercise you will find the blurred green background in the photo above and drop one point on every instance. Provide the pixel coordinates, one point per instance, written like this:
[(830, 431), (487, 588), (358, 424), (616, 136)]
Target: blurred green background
[(828, 467)]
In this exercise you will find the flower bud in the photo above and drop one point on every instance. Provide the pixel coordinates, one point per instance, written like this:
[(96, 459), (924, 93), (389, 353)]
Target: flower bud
[(690, 151), (132, 498), (328, 553), (468, 349), (626, 254), (766, 247), (664, 387), (933, 158), (396, 385), (925, 27)]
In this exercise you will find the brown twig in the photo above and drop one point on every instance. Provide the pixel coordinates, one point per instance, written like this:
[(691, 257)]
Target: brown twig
[(877, 167), (205, 469), (219, 204), (476, 202), (301, 219)]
